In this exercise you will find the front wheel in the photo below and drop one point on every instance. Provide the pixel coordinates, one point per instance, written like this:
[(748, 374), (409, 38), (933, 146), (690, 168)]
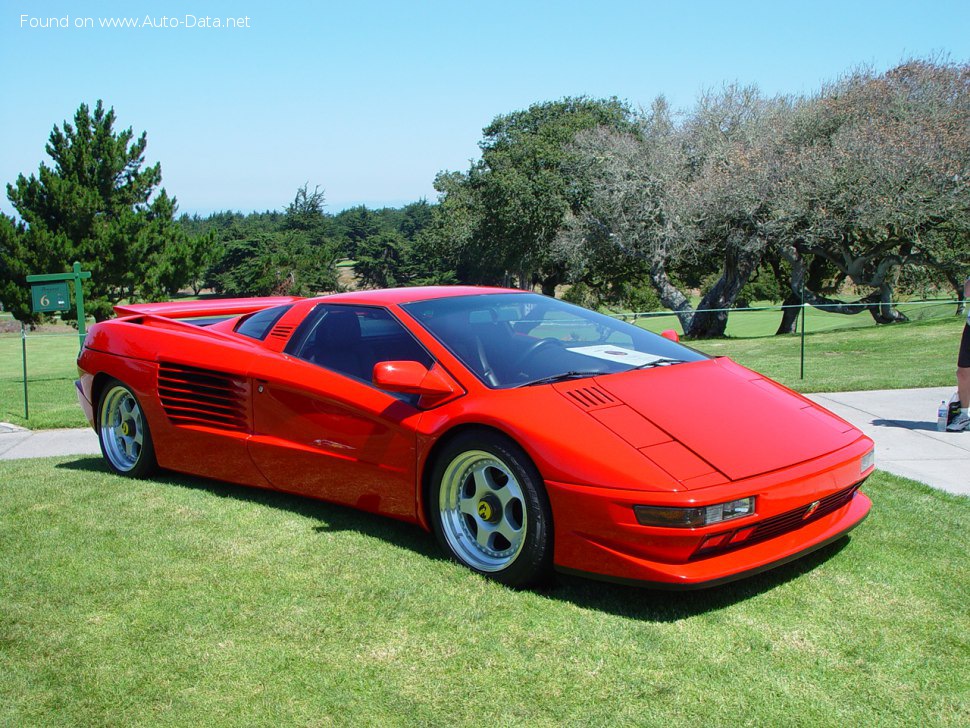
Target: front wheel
[(126, 441), (490, 510)]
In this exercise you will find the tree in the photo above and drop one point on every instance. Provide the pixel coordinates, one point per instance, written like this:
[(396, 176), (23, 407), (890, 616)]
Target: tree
[(879, 179), (735, 157), (516, 199), (14, 292), (280, 264), (631, 221), (96, 205), (668, 196), (415, 217), (381, 260), (356, 224), (270, 254)]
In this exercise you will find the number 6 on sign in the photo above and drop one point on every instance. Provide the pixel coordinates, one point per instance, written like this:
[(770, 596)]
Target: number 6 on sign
[(50, 297)]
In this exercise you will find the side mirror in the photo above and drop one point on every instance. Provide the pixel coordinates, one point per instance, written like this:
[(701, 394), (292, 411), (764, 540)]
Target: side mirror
[(671, 334), (411, 377)]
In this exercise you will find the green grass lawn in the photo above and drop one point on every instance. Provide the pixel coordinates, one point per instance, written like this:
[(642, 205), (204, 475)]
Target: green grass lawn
[(187, 602), (51, 371), (917, 354)]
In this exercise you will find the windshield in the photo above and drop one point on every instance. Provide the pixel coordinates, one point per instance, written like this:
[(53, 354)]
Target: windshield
[(518, 339)]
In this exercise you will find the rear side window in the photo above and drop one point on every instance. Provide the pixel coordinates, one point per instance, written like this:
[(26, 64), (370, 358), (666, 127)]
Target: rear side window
[(352, 339), (257, 325)]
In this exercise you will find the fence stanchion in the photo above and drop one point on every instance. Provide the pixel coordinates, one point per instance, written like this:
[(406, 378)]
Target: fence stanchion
[(802, 371), (23, 346)]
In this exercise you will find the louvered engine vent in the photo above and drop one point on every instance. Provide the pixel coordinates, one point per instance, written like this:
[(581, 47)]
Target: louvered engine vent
[(194, 396), (589, 397), (281, 332)]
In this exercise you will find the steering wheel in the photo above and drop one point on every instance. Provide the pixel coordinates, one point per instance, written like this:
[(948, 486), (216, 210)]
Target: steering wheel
[(487, 370), (531, 350)]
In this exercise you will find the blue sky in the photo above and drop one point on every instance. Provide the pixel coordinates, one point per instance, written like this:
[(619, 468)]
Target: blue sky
[(370, 99)]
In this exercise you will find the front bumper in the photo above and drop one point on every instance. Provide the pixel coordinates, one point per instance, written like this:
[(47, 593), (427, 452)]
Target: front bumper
[(798, 511), (613, 565)]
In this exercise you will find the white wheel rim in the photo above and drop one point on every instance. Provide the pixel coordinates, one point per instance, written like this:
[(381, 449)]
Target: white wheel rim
[(122, 428), (483, 511)]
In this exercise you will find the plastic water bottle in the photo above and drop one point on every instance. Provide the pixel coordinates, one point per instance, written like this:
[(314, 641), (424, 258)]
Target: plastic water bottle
[(942, 415)]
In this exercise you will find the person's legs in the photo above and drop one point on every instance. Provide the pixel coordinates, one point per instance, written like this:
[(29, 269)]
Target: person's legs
[(963, 368), (963, 386), (962, 420)]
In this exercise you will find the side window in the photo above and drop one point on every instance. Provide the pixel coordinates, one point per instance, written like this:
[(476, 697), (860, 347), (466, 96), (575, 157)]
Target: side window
[(258, 325), (352, 339)]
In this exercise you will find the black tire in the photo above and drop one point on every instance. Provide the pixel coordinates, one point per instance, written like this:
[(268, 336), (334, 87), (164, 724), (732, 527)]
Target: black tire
[(489, 509), (123, 432)]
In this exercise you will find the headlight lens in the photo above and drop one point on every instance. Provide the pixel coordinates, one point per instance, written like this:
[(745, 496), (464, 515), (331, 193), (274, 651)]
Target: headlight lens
[(672, 517), (868, 460)]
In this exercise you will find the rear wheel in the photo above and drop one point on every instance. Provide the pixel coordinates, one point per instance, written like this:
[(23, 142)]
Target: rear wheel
[(126, 441), (490, 510)]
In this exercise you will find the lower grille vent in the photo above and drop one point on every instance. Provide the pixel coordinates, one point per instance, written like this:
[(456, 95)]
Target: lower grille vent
[(785, 522), (793, 519), (194, 396)]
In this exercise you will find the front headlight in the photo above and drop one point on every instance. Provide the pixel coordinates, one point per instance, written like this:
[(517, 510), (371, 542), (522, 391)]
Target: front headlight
[(673, 517), (868, 460)]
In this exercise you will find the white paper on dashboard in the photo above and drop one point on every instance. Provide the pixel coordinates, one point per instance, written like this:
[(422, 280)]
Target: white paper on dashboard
[(617, 354)]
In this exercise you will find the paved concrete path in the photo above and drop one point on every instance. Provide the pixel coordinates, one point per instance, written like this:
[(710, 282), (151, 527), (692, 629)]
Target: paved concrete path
[(901, 421), (17, 443), (903, 424)]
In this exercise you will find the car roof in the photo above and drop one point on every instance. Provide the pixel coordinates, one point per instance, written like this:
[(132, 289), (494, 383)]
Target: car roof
[(389, 296)]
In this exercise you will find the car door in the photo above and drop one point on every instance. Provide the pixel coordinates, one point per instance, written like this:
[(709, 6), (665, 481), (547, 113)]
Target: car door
[(322, 429)]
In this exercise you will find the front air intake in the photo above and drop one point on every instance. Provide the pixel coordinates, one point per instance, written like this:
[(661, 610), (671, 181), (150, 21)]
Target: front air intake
[(195, 396)]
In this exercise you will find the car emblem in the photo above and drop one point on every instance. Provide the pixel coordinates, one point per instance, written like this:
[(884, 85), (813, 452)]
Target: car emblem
[(485, 511), (811, 509)]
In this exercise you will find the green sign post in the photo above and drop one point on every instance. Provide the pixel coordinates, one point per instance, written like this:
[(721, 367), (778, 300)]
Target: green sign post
[(54, 295)]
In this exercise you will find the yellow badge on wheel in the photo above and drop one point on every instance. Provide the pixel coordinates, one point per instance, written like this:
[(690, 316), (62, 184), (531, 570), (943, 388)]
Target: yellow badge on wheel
[(484, 510), (124, 429)]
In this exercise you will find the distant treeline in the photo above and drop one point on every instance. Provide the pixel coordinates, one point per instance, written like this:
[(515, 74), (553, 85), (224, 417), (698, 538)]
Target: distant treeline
[(862, 186)]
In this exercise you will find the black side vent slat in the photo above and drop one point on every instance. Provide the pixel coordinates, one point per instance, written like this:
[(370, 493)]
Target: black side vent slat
[(590, 397), (195, 396), (281, 332)]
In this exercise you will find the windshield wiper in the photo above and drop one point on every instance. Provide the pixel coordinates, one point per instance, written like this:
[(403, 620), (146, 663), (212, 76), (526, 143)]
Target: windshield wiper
[(661, 362), (560, 378)]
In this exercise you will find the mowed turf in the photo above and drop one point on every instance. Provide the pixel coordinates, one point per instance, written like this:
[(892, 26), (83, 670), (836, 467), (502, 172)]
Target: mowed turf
[(183, 601), (916, 354), (51, 371)]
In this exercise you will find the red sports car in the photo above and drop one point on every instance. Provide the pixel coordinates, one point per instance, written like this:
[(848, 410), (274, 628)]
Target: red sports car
[(528, 434)]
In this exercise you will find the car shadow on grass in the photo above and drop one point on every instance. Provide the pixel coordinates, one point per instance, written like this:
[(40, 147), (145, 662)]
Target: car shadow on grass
[(634, 602), (662, 605)]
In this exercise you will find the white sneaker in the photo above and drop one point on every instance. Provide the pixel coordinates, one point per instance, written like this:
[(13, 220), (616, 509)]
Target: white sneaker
[(960, 422)]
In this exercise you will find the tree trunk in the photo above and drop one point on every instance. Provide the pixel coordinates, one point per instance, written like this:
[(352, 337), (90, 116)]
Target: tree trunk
[(670, 295), (710, 320), (789, 315), (549, 284), (878, 304), (881, 306)]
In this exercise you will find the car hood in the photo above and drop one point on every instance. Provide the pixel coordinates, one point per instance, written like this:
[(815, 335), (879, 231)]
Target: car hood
[(708, 421)]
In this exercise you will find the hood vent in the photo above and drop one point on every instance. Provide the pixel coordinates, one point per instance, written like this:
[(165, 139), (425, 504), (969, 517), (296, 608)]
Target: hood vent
[(194, 396), (588, 398)]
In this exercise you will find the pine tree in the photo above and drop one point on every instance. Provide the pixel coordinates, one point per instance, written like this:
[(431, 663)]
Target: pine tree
[(95, 204)]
